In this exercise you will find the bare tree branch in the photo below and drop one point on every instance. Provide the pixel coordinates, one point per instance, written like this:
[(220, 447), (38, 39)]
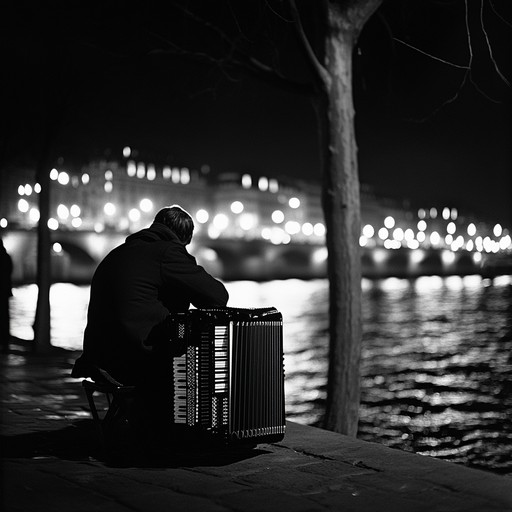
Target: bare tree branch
[(429, 54), (489, 47), (320, 71)]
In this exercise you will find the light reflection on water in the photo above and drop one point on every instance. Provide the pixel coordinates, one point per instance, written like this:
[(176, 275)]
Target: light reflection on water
[(436, 357)]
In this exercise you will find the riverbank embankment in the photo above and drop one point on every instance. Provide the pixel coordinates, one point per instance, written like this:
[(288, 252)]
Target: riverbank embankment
[(51, 462)]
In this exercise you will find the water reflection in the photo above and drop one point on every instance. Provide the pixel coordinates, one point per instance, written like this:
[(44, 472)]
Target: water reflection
[(436, 357)]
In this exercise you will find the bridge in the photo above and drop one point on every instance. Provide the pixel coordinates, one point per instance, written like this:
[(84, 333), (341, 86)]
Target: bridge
[(76, 254)]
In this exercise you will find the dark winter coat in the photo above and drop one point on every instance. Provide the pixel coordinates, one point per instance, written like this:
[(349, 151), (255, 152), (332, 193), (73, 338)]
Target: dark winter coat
[(133, 291)]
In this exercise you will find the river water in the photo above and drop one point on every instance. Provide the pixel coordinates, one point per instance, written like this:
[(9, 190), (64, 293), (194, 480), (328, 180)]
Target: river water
[(436, 357)]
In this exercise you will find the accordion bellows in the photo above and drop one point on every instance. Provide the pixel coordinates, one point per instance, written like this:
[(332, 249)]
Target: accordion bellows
[(229, 380)]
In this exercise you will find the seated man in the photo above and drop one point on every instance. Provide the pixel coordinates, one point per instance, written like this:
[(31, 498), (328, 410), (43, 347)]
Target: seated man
[(133, 291)]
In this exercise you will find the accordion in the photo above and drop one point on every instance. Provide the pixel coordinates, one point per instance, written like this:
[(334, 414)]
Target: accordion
[(229, 378)]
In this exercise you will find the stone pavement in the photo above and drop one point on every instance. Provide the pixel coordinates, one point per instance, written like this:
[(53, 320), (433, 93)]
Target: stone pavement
[(51, 462)]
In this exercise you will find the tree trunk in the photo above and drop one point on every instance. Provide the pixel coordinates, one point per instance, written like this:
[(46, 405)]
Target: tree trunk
[(341, 203), (42, 323)]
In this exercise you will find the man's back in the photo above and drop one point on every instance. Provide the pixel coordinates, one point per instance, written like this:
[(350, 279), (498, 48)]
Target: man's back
[(132, 292)]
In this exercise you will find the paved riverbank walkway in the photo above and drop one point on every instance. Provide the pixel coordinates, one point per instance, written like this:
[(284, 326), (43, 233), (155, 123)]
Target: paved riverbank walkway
[(51, 462)]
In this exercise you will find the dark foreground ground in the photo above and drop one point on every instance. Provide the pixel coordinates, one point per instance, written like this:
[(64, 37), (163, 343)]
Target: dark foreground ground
[(51, 461)]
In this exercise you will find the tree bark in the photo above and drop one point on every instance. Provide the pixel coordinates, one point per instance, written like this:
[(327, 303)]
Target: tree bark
[(42, 323), (341, 204)]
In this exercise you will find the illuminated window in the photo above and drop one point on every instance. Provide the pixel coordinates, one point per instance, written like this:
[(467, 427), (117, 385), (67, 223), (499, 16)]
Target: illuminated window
[(109, 209), (368, 231), (277, 216), (134, 215), (151, 174), (63, 178), (246, 181), (146, 205), (202, 216), (294, 202), (237, 207), (263, 184), (389, 222), (185, 176), (62, 212), (23, 205), (131, 168)]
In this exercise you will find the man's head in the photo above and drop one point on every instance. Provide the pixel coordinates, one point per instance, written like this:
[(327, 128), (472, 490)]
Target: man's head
[(178, 221)]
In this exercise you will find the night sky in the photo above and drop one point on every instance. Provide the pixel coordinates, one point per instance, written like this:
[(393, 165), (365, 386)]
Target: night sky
[(90, 78)]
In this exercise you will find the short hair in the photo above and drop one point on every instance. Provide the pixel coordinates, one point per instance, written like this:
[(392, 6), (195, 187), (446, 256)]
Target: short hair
[(178, 221)]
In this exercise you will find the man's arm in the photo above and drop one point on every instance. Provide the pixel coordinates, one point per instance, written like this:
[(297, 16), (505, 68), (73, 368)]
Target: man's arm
[(184, 276)]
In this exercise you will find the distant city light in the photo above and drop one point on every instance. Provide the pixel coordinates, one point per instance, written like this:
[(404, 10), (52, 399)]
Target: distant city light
[(53, 224), (127, 151), (435, 238), (23, 205), (54, 174), (248, 221), (446, 213), (3, 222), (363, 241), (389, 222), (451, 228), (202, 216), (34, 215), (246, 181), (57, 247), (166, 172), (422, 213), (319, 229), (85, 178), (398, 234), (368, 231), (141, 170), (151, 174), (75, 210), (263, 184), (21, 190), (273, 185), (383, 233), (131, 168), (454, 214), (221, 221), (175, 174), (277, 216), (294, 202), (108, 187), (76, 222), (146, 205), (237, 207), (134, 215), (307, 228), (109, 209), (28, 189), (471, 230), (62, 211), (63, 178), (497, 230), (37, 188), (292, 227), (109, 175), (99, 227), (185, 176), (421, 236)]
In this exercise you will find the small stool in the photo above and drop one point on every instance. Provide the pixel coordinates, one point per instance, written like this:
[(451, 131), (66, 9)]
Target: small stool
[(118, 397)]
